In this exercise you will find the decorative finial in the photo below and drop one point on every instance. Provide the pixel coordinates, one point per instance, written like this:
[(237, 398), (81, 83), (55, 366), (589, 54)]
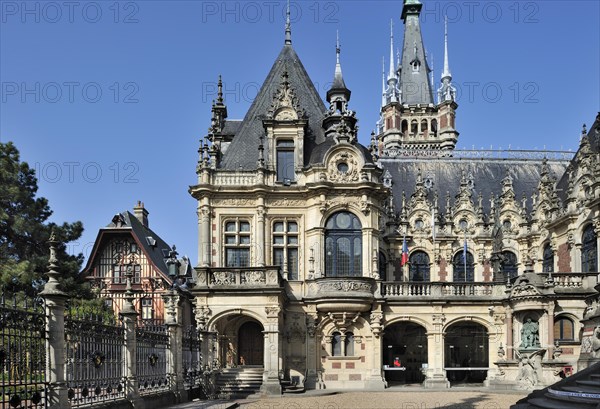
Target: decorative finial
[(220, 91), (584, 130), (288, 26), (52, 287), (392, 72), (337, 46)]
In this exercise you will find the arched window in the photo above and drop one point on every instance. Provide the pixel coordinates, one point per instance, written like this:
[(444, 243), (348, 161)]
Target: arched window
[(349, 344), (382, 261), (424, 126), (414, 127), (336, 344), (434, 127), (404, 127), (463, 272), (419, 266), (589, 250), (343, 246), (509, 264), (564, 330), (548, 259)]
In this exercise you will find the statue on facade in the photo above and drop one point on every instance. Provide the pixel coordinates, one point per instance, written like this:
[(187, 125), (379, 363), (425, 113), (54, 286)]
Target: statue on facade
[(230, 355), (530, 367), (530, 337)]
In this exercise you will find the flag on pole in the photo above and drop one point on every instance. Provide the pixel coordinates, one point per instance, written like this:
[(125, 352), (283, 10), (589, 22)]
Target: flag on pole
[(404, 259), (465, 251)]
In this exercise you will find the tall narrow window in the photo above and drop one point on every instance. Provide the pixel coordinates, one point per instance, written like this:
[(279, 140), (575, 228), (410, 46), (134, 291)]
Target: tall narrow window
[(564, 329), (285, 247), (414, 127), (336, 344), (147, 310), (548, 261), (237, 243), (419, 266), (434, 127), (589, 250), (343, 246), (349, 344), (404, 127), (285, 162), (382, 261), (463, 272), (509, 264)]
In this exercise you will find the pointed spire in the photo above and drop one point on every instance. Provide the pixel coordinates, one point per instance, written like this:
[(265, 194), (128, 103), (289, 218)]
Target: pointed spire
[(383, 101), (288, 26), (392, 73), (338, 79), (446, 73)]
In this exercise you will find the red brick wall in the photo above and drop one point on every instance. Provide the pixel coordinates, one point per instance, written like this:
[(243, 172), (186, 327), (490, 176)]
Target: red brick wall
[(487, 271), (564, 258), (443, 273)]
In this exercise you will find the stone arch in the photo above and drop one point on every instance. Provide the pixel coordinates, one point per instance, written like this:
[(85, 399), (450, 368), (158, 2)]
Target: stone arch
[(240, 311), (405, 345), (466, 348), (425, 324)]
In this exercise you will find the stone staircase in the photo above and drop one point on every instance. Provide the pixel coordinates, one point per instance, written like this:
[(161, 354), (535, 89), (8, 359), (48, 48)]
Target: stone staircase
[(579, 391), (240, 382)]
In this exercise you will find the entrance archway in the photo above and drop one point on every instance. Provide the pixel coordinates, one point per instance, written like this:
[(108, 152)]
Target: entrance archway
[(404, 353), (466, 347), (251, 344)]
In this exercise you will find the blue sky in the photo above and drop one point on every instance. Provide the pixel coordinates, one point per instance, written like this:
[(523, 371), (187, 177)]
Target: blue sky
[(108, 99)]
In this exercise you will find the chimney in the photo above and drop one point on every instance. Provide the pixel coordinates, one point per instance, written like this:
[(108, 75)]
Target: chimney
[(140, 213)]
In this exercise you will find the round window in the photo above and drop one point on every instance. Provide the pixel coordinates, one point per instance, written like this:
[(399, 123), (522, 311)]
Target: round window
[(342, 167), (463, 224), (343, 220), (418, 224), (507, 224)]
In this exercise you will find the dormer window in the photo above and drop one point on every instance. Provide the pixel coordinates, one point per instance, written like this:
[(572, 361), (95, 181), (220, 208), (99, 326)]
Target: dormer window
[(285, 162), (416, 65)]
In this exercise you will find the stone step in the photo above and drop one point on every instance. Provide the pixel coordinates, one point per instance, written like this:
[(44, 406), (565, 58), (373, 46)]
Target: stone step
[(583, 389), (571, 397), (595, 376), (545, 403), (590, 383)]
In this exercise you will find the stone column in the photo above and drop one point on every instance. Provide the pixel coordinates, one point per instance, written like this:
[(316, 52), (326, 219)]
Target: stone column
[(175, 351), (313, 347), (509, 335), (205, 236), (436, 376), (55, 326), (130, 317), (550, 320), (260, 245), (375, 378), (271, 384)]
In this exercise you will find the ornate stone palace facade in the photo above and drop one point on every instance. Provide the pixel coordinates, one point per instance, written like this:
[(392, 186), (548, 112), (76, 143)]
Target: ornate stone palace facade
[(335, 265), (301, 233)]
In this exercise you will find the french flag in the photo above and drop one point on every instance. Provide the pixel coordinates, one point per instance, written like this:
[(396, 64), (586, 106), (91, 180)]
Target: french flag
[(404, 259)]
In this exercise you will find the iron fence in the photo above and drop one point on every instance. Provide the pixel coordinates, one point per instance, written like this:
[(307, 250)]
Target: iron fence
[(151, 358), (192, 361), (23, 336), (94, 346)]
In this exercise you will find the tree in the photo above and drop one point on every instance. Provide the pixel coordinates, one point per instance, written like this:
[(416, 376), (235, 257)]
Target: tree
[(25, 230)]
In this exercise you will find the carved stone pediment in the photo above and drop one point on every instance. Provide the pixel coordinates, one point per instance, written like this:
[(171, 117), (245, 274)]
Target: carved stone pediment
[(285, 105), (525, 290), (343, 167)]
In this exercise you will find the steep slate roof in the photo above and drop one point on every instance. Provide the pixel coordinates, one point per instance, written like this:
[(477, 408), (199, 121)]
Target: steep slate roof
[(157, 254), (447, 172), (243, 150), (593, 137), (415, 86), (231, 127)]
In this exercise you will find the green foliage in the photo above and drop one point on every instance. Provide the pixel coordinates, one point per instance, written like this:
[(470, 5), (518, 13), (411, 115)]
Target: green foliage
[(25, 230)]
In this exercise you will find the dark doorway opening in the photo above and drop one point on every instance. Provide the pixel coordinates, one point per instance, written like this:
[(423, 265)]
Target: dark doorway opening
[(405, 353), (251, 344), (466, 347)]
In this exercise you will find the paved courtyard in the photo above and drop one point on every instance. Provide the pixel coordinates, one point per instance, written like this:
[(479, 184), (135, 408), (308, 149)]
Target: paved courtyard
[(405, 399), (408, 399)]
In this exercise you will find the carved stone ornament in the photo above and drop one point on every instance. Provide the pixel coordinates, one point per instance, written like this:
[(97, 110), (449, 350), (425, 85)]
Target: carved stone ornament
[(343, 167), (524, 290), (253, 277), (272, 312), (285, 105), (223, 278)]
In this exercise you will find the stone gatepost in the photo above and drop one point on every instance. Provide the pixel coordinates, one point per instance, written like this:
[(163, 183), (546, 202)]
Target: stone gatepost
[(55, 327), (314, 347), (175, 352), (130, 316), (271, 384)]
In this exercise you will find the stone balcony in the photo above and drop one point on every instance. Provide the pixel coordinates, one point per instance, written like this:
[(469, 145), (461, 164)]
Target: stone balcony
[(573, 282), (439, 290), (337, 294), (230, 278)]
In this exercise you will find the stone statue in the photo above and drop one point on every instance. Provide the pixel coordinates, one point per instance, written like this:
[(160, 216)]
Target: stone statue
[(530, 367), (230, 355), (530, 337), (596, 343)]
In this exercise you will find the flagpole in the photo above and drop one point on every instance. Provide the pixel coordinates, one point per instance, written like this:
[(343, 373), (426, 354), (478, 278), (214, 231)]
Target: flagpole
[(465, 254)]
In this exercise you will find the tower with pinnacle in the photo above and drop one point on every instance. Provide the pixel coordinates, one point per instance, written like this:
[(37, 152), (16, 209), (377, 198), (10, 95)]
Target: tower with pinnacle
[(410, 118)]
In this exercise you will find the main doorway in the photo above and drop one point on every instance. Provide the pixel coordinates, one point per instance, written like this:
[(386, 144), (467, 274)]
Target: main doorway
[(251, 344), (466, 347), (404, 353)]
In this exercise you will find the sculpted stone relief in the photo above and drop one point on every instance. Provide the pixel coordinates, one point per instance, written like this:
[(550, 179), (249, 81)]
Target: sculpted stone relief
[(343, 167)]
